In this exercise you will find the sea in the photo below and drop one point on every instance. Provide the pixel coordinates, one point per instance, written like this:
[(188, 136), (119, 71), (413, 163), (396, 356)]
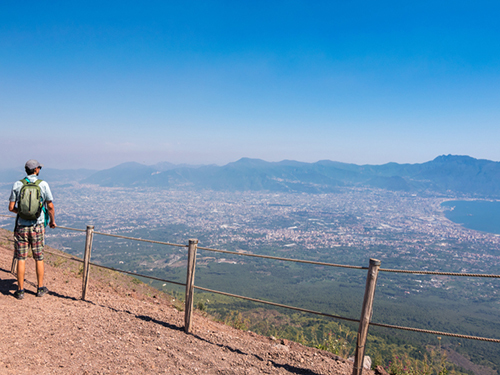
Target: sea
[(479, 215)]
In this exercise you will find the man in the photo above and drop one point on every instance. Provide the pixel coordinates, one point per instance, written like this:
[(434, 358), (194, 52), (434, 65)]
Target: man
[(31, 233)]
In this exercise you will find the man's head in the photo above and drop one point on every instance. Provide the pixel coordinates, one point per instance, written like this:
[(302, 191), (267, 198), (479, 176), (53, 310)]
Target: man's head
[(31, 166)]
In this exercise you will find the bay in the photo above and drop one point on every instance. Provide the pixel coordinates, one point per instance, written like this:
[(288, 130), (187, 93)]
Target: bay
[(482, 216)]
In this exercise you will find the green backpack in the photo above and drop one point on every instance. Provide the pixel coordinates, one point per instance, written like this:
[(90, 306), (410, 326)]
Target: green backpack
[(30, 200)]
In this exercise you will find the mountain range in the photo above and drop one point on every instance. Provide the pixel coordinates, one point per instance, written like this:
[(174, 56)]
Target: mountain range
[(446, 174)]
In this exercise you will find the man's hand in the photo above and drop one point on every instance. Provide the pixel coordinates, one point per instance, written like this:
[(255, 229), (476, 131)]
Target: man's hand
[(12, 207)]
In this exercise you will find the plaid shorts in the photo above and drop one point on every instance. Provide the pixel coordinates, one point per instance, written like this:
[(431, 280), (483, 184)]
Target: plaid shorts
[(26, 237)]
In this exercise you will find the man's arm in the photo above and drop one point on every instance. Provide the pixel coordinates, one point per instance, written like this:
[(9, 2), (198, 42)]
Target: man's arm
[(12, 207), (52, 213)]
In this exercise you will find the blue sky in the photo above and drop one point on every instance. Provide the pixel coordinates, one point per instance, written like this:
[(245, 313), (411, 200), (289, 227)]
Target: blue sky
[(93, 84)]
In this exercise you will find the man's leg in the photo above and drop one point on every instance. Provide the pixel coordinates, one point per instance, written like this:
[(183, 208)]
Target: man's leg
[(39, 272), (38, 242), (20, 274), (21, 245)]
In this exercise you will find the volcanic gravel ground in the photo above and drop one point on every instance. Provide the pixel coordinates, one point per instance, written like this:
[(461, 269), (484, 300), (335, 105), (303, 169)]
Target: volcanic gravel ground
[(125, 328)]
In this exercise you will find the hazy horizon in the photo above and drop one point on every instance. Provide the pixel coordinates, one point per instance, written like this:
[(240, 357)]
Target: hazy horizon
[(46, 166), (93, 84)]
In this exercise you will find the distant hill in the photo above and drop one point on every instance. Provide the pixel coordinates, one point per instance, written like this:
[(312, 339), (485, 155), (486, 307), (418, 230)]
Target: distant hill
[(447, 174)]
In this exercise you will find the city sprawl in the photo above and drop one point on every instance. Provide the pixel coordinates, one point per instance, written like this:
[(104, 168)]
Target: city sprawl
[(382, 224)]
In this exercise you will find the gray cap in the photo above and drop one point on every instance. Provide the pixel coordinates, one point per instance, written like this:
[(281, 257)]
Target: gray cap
[(33, 164)]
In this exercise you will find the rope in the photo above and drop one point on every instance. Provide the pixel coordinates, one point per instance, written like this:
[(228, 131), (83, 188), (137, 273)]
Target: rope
[(8, 216), (74, 229), (115, 235), (64, 256), (136, 274), (275, 304), (435, 332), (284, 259), (140, 239), (114, 269), (349, 319), (440, 273)]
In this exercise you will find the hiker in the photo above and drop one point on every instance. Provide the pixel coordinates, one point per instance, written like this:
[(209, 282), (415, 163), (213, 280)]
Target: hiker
[(31, 199)]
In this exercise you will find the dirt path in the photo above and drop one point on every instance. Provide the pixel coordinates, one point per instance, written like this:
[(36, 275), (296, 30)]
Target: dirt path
[(126, 328)]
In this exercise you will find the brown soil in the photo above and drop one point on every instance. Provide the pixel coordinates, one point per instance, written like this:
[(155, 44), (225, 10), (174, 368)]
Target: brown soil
[(126, 328)]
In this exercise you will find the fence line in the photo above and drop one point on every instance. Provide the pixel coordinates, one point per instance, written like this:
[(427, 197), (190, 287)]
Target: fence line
[(367, 311), (140, 239), (284, 259), (441, 273), (113, 269), (383, 325), (124, 237), (64, 256), (136, 274), (73, 229), (275, 304), (417, 272), (435, 332)]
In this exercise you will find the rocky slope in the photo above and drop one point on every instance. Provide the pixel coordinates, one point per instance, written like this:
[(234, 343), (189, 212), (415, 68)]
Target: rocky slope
[(128, 328)]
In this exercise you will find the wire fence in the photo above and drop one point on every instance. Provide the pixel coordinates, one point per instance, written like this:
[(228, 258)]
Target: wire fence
[(192, 286)]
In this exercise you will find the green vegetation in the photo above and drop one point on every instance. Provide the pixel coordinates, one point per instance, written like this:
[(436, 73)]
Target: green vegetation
[(432, 363), (136, 281)]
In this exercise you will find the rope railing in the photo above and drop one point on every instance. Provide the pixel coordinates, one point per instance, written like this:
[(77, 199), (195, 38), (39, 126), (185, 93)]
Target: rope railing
[(440, 273), (367, 303), (114, 269), (457, 335), (64, 256), (283, 259), (73, 229), (417, 272), (139, 239), (136, 274), (276, 304), (383, 325), (124, 237)]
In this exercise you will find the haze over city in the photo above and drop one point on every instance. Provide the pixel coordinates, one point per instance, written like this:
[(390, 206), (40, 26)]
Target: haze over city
[(92, 84)]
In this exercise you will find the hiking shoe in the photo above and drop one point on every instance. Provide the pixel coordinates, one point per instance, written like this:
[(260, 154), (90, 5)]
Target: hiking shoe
[(19, 294), (41, 291)]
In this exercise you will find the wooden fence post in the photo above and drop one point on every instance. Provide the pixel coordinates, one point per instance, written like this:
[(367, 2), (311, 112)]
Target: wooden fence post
[(86, 260), (366, 315), (13, 267), (188, 310)]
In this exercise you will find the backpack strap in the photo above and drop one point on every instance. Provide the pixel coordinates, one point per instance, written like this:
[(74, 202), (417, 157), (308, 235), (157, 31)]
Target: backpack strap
[(26, 181), (37, 183)]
